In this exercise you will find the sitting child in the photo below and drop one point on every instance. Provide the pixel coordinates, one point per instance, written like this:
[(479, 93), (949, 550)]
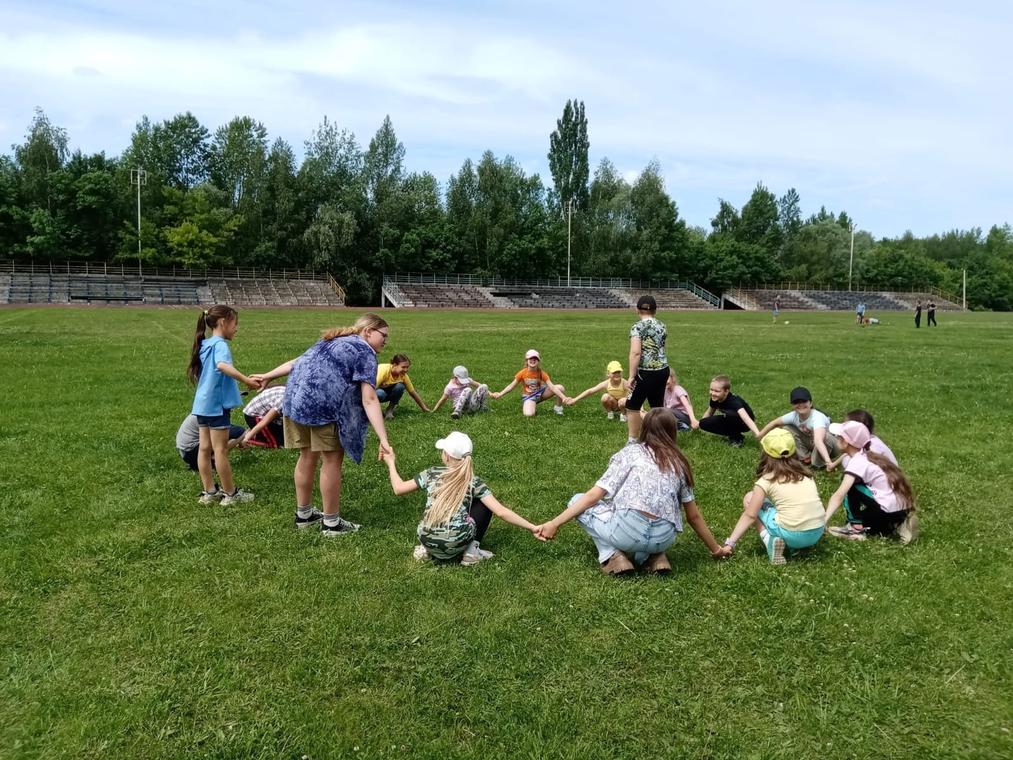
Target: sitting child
[(459, 505), (784, 504), (537, 386), (263, 415), (616, 390), (677, 399), (188, 440), (468, 395)]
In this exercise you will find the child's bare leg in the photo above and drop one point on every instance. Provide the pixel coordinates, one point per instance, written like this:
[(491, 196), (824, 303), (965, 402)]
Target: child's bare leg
[(330, 481), (207, 477), (609, 403), (305, 474), (220, 443), (529, 408)]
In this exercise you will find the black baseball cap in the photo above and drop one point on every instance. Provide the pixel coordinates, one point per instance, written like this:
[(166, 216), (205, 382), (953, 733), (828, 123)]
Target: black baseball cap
[(800, 394), (647, 303)]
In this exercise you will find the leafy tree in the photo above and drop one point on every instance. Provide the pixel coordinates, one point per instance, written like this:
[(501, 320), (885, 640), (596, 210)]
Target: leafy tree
[(42, 154), (610, 223), (789, 214), (726, 222), (568, 163), (237, 161), (759, 223)]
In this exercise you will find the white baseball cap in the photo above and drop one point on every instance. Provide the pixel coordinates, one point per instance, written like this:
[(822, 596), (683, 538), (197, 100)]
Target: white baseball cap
[(461, 373), (457, 445), (532, 354)]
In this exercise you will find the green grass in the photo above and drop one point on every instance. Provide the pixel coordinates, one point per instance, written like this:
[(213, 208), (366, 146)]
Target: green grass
[(135, 623)]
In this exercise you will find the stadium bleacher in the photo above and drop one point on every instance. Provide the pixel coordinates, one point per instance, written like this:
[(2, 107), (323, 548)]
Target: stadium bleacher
[(834, 300)]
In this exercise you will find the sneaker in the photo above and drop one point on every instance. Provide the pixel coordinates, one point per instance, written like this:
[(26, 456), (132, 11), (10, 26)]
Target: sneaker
[(736, 443), (420, 554), (854, 532), (622, 418), (611, 415), (775, 549), (389, 414), (472, 555), (455, 415), (239, 496), (481, 552), (908, 530), (306, 522), (210, 497), (558, 409), (343, 527)]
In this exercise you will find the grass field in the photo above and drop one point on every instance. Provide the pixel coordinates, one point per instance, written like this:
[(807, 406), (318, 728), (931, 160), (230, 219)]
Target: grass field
[(135, 623)]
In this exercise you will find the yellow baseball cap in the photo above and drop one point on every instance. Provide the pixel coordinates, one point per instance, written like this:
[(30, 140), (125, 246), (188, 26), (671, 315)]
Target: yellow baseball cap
[(778, 443), (614, 366)]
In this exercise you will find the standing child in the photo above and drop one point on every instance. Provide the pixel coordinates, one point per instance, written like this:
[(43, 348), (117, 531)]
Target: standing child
[(459, 505), (329, 400), (677, 399), (616, 390), (467, 394), (217, 395), (784, 504), (648, 364), (537, 386), (776, 311), (876, 494)]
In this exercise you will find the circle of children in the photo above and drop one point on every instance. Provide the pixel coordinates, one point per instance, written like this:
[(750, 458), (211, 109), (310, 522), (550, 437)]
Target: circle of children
[(633, 513)]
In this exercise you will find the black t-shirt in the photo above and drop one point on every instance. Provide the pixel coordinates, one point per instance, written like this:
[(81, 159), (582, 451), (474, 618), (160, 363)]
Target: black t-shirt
[(731, 406)]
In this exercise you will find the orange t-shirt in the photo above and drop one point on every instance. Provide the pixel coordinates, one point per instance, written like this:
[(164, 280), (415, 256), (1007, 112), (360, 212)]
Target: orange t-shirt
[(531, 379)]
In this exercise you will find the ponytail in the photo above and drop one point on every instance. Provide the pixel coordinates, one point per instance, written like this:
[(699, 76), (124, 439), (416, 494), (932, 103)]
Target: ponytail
[(368, 321), (208, 319), (448, 492), (899, 483)]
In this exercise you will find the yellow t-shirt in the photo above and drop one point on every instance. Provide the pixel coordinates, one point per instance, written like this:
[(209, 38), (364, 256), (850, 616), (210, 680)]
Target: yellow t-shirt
[(618, 392), (385, 378), (798, 504)]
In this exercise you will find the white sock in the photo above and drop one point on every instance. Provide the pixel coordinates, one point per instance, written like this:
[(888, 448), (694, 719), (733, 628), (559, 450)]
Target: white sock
[(331, 521), (304, 512), (764, 535)]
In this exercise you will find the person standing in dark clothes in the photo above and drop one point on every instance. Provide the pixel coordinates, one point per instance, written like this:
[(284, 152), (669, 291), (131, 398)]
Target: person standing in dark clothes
[(932, 314), (918, 313)]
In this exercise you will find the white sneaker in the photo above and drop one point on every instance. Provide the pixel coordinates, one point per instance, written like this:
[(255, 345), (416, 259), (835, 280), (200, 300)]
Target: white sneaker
[(210, 497), (473, 555), (421, 553), (239, 496), (611, 415), (558, 409), (622, 418)]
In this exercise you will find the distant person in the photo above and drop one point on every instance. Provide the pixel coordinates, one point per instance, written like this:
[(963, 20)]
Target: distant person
[(634, 512), (728, 415), (188, 441), (814, 444), (860, 313), (392, 382), (918, 313), (784, 504), (677, 399), (932, 315), (459, 505), (537, 386), (648, 364), (264, 416), (615, 388), (777, 309), (217, 394), (465, 393)]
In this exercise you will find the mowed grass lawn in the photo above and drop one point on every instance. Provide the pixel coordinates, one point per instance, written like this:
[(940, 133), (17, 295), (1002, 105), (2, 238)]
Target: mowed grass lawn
[(136, 623)]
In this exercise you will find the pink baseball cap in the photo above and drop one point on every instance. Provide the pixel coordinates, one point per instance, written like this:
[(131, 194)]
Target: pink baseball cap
[(855, 433), (532, 354)]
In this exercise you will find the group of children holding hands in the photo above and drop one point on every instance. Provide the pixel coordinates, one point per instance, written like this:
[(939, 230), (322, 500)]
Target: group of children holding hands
[(633, 513)]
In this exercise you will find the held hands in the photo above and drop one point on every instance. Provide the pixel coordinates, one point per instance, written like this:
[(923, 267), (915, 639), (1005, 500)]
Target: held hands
[(535, 532), (259, 382), (545, 531), (495, 394), (385, 453), (722, 552)]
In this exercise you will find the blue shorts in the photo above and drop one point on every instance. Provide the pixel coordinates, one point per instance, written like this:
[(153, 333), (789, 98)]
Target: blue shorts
[(216, 422), (534, 395), (793, 539)]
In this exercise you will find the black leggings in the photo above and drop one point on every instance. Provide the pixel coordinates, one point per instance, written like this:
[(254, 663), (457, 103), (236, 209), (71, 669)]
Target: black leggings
[(649, 386), (861, 507), (482, 516), (730, 426)]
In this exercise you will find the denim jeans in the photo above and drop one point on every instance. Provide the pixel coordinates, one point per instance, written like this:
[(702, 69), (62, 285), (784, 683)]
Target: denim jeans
[(626, 530), (391, 393)]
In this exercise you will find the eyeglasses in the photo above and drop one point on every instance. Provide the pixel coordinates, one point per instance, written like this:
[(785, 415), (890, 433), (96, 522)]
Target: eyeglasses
[(385, 335)]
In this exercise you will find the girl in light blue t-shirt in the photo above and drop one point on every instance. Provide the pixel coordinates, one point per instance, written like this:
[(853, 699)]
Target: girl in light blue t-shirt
[(217, 395)]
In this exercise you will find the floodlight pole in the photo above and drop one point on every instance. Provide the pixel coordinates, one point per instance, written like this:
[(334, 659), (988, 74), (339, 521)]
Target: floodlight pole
[(569, 226), (851, 258), (138, 177)]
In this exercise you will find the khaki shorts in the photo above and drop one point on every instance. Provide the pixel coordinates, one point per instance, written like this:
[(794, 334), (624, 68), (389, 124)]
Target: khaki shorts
[(312, 437)]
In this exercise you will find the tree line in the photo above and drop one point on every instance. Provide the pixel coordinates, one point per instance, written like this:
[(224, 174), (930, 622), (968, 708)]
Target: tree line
[(233, 197)]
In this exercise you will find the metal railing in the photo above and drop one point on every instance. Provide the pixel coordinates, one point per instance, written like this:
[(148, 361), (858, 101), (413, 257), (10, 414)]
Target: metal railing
[(126, 270)]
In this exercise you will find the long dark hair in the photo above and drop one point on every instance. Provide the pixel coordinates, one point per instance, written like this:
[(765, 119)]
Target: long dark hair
[(899, 483), (208, 320), (786, 469), (658, 434)]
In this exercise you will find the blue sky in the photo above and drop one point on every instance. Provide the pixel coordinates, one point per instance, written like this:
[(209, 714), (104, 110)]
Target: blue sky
[(898, 112)]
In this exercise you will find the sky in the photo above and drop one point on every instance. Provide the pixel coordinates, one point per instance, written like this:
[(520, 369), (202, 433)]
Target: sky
[(899, 113)]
